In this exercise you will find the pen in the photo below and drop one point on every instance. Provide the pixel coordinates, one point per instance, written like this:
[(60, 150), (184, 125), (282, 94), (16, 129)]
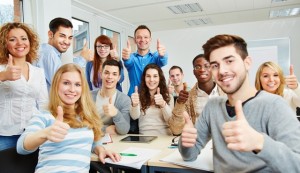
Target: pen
[(127, 154)]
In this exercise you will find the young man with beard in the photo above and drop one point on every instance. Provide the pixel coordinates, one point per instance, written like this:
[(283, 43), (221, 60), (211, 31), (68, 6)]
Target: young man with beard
[(252, 131), (194, 101), (112, 105)]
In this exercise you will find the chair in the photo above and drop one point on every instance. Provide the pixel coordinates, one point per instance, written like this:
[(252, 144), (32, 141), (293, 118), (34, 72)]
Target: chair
[(12, 162)]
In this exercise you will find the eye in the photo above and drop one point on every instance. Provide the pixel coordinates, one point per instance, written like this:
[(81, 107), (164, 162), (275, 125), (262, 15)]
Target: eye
[(78, 84), (229, 61), (66, 83), (214, 66), (11, 39), (24, 39)]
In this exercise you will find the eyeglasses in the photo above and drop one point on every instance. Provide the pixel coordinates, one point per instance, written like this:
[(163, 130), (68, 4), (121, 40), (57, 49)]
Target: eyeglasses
[(103, 47), (199, 67)]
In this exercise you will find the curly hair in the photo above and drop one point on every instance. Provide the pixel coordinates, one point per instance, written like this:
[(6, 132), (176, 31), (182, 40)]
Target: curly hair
[(32, 37), (219, 41), (145, 96), (84, 106), (275, 67), (97, 63)]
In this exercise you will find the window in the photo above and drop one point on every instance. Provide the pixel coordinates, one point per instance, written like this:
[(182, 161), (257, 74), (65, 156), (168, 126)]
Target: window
[(80, 35), (114, 37), (10, 10), (132, 44)]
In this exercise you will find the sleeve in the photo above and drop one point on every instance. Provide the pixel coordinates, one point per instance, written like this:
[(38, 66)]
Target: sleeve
[(122, 73), (135, 111), (36, 123), (88, 70), (167, 110), (296, 96), (122, 119), (96, 144), (43, 99), (128, 63), (79, 61), (50, 63), (162, 60), (281, 150), (176, 121)]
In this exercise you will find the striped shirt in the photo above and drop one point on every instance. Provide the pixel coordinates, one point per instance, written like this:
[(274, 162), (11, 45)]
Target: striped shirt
[(71, 155)]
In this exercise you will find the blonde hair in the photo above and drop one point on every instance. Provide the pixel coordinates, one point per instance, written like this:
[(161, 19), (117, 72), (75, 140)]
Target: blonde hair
[(274, 67), (84, 106), (32, 37)]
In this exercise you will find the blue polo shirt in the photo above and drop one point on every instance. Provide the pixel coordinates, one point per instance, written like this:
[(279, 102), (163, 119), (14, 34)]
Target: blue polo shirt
[(136, 63)]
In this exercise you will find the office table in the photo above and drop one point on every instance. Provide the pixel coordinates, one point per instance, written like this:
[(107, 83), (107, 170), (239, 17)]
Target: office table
[(154, 164)]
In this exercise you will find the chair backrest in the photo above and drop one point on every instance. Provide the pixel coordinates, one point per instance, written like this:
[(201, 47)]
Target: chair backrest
[(12, 162)]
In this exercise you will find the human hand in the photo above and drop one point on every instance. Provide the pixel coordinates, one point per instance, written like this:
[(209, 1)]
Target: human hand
[(87, 53), (171, 87), (135, 98), (12, 72), (114, 53), (58, 131), (126, 51), (102, 154), (158, 99), (239, 135), (110, 109), (161, 49), (189, 132), (183, 95), (291, 80)]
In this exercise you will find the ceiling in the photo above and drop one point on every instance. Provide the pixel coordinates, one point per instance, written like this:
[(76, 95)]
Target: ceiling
[(156, 15)]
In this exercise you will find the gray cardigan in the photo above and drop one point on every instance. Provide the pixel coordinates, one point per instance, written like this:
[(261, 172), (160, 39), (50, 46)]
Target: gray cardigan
[(122, 119)]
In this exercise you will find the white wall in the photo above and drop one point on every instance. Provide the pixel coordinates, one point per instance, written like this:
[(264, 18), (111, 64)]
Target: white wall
[(183, 45)]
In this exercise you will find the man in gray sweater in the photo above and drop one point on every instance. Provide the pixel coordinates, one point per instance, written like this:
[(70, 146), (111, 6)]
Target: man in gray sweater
[(112, 105), (252, 131)]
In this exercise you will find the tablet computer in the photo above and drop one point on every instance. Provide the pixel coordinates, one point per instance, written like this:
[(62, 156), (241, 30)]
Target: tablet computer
[(138, 139)]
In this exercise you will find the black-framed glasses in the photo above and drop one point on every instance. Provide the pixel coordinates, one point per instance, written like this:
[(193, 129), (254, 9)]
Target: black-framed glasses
[(103, 47), (199, 67)]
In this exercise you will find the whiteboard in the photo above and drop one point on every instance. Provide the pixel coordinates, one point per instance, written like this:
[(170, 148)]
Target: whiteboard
[(276, 50)]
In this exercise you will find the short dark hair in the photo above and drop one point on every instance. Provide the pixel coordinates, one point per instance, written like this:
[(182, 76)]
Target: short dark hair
[(175, 67), (59, 21), (142, 27), (197, 57), (112, 62), (219, 41)]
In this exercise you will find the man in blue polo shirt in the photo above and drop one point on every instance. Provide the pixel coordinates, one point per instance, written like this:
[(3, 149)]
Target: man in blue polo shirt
[(136, 62)]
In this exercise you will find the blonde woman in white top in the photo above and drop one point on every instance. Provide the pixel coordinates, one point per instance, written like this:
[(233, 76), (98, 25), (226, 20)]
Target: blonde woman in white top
[(153, 106), (23, 88), (269, 77)]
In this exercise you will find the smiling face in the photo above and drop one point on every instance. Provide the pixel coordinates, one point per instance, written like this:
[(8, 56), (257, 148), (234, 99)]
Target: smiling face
[(229, 69), (202, 70), (103, 50), (269, 80), (62, 38), (152, 79), (70, 88), (142, 39), (110, 76), (176, 76), (18, 43)]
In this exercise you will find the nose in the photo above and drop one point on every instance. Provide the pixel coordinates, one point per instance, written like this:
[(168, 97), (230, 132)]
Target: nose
[(72, 88)]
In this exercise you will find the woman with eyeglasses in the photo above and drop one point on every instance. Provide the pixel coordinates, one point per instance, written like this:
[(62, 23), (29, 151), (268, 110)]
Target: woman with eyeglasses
[(153, 106), (269, 77), (104, 50)]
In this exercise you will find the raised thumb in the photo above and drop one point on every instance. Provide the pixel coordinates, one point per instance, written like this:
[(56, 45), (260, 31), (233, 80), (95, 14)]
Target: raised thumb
[(158, 90), (110, 100), (239, 110), (60, 114), (10, 60), (187, 119), (184, 86), (291, 70), (136, 89)]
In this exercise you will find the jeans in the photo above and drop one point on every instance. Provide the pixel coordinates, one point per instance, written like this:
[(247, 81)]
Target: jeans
[(8, 141)]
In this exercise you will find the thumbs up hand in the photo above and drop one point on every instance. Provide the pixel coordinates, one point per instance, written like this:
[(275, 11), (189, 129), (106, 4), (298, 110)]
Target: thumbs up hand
[(87, 53), (135, 98), (110, 109), (158, 99), (239, 135), (58, 131), (171, 87), (291, 80), (12, 72), (189, 132), (183, 95), (114, 53), (126, 51), (161, 49)]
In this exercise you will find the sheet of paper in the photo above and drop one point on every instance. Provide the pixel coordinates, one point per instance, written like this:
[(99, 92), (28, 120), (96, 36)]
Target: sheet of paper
[(204, 160), (106, 139), (142, 156)]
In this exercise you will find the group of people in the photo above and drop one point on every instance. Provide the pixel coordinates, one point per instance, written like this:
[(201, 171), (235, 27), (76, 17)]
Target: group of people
[(60, 108)]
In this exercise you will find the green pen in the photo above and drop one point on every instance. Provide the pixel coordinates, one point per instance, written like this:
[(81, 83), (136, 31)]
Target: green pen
[(127, 154)]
